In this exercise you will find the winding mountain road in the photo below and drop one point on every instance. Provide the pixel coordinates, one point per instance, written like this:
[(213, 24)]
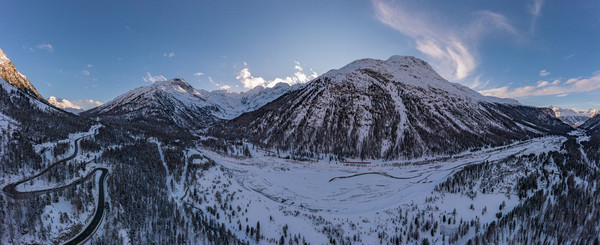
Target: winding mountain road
[(87, 233), (11, 191)]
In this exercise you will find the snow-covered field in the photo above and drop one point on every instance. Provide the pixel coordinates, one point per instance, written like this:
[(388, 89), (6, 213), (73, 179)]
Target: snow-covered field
[(325, 198)]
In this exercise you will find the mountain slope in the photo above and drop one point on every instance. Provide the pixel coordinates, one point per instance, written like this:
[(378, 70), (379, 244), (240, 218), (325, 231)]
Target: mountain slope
[(10, 74), (36, 118), (398, 108), (574, 117), (592, 126)]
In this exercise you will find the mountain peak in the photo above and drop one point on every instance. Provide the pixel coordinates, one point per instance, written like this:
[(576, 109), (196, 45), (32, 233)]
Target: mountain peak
[(62, 103), (175, 85), (9, 73), (406, 70)]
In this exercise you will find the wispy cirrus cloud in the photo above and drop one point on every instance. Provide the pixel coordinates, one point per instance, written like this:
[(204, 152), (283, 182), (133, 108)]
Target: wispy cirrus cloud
[(45, 46), (536, 11), (557, 87), (453, 48), (544, 73), (153, 79), (249, 81)]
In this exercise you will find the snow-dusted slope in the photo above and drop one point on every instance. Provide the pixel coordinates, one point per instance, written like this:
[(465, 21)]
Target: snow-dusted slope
[(574, 117), (65, 105), (592, 126), (399, 107), (9, 73)]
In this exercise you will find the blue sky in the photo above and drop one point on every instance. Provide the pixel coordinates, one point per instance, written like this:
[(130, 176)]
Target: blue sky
[(540, 52)]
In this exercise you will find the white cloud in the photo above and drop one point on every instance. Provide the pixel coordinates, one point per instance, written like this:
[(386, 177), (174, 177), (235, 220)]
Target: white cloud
[(45, 46), (477, 83), (536, 12), (556, 87), (90, 66), (536, 7), (153, 79), (87, 104), (225, 87), (169, 55), (198, 74), (544, 73), (85, 72), (249, 81), (452, 48), (49, 84)]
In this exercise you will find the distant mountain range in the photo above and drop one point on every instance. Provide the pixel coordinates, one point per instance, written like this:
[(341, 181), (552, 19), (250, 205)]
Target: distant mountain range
[(370, 108), (574, 117), (177, 105)]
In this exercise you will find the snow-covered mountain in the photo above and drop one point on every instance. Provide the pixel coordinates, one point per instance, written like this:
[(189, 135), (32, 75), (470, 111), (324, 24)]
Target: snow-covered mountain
[(177, 103), (395, 108), (9, 73), (574, 117), (161, 104), (65, 105)]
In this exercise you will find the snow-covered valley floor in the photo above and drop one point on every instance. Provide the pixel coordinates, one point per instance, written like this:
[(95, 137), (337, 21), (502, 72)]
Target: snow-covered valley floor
[(322, 200)]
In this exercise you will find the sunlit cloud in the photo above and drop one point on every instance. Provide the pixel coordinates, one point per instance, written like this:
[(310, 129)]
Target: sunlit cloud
[(452, 48), (169, 55), (198, 74), (87, 104), (249, 81), (544, 73), (543, 88)]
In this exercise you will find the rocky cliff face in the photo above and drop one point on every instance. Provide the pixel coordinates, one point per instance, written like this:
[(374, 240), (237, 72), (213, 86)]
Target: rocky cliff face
[(10, 74)]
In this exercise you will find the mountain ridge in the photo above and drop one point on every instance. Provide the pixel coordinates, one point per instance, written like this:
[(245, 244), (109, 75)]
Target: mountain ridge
[(10, 74), (388, 109), (574, 117)]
